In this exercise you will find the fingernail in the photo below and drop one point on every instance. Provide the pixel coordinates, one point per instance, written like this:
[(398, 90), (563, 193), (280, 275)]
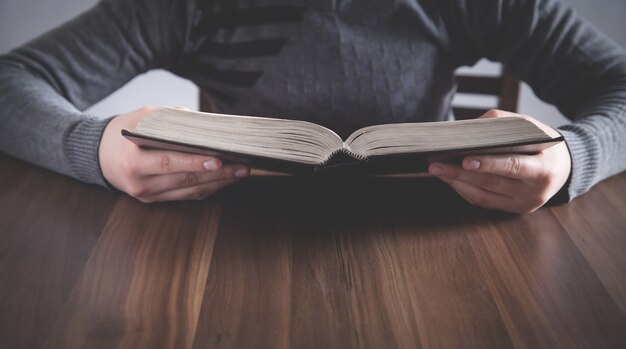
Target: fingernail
[(211, 165), (437, 170), (241, 172), (472, 165)]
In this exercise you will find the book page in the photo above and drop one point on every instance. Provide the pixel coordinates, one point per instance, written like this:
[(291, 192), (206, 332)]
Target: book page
[(445, 136), (292, 140)]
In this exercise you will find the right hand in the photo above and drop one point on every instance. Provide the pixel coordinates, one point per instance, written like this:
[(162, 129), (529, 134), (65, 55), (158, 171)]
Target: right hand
[(160, 175)]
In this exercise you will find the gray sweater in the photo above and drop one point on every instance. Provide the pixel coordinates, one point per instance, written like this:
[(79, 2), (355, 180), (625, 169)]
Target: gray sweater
[(341, 63)]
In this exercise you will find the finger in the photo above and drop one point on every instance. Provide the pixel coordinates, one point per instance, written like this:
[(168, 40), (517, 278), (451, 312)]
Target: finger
[(161, 183), (496, 113), (155, 162), (486, 199), (515, 166), (257, 172), (491, 182), (197, 192)]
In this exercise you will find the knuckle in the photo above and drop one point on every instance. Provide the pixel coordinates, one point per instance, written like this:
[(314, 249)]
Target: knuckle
[(548, 175), (129, 167), (136, 190), (225, 174), (189, 180), (166, 163), (545, 180), (544, 177), (491, 181), (515, 165)]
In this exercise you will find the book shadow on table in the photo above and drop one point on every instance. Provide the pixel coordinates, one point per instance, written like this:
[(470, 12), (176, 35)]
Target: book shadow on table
[(327, 206)]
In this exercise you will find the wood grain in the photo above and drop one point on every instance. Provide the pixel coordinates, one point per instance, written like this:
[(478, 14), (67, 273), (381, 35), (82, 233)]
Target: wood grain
[(143, 283), (47, 231), (278, 262), (599, 231), (546, 292)]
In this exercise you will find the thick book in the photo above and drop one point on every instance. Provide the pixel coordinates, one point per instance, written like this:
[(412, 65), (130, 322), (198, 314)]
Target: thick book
[(301, 147)]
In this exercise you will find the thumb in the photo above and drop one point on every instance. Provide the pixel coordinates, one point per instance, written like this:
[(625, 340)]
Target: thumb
[(497, 113)]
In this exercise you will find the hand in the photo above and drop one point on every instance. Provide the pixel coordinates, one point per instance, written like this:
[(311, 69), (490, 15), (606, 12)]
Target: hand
[(509, 182), (159, 175)]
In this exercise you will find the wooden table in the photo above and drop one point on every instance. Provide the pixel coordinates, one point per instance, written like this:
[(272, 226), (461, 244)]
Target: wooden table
[(290, 262)]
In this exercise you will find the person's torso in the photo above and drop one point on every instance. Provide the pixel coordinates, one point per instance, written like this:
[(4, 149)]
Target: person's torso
[(342, 64)]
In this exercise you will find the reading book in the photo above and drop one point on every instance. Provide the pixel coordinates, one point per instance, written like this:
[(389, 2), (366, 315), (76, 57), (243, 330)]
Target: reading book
[(296, 146)]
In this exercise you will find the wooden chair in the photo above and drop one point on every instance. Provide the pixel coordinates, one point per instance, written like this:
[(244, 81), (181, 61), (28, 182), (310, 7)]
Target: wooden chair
[(505, 87), (205, 102)]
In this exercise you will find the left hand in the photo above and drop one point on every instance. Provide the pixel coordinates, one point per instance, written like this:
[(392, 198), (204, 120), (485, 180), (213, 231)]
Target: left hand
[(509, 182)]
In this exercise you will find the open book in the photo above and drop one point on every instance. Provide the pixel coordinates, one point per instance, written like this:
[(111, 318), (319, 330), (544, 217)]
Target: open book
[(295, 146)]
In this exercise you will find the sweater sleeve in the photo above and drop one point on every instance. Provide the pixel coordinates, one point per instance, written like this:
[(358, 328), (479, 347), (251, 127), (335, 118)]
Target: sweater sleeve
[(566, 61), (47, 83)]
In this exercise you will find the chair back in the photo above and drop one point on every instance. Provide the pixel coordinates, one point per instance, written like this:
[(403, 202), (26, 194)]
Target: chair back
[(505, 87)]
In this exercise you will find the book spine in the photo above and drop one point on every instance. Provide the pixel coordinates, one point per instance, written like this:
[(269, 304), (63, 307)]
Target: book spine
[(343, 150), (348, 151)]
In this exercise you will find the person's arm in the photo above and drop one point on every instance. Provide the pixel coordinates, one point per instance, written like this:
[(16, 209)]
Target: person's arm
[(568, 63), (46, 84)]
